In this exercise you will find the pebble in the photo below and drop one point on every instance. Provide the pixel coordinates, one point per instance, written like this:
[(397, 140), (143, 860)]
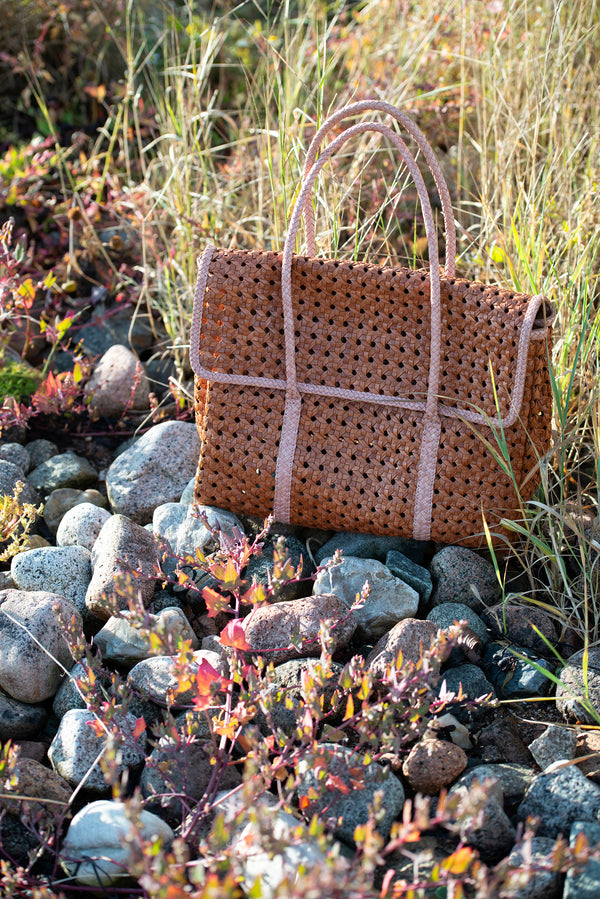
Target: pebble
[(111, 388), (81, 525), (554, 744), (584, 884), (588, 743), (121, 641), (155, 470), (389, 600), (410, 637), (66, 569), (19, 720), (288, 695), (121, 546), (40, 451), (17, 454), (155, 679), (433, 764), (513, 677), (367, 546), (75, 750), (484, 776), (517, 623), (536, 883), (558, 799), (33, 649), (60, 501), (269, 629), (416, 576), (447, 614), (474, 685), (574, 685), (64, 470), (71, 696), (9, 475), (101, 843), (352, 807), (500, 741), (185, 531), (490, 832), (260, 568), (460, 575), (36, 781)]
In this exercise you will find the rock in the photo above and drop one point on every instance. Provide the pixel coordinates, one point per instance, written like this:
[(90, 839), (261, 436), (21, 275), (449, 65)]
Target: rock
[(81, 525), (40, 451), (558, 799), (514, 780), (269, 629), (448, 727), (460, 575), (474, 685), (352, 807), (483, 775), (155, 470), (64, 470), (516, 624), (500, 741), (185, 532), (260, 568), (121, 547), (410, 637), (447, 614), (531, 880), (9, 475), (584, 884), (60, 501), (35, 781), (122, 642), (187, 497), (67, 568), (366, 546), (389, 601), (512, 676), (118, 384), (101, 843), (79, 684), (17, 454), (588, 744), (75, 749), (412, 574), (554, 744), (489, 831), (20, 719), (286, 690), (433, 764), (578, 694), (154, 678), (33, 648), (173, 770), (18, 840)]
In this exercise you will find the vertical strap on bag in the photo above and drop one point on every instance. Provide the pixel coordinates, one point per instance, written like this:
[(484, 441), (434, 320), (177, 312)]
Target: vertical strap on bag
[(293, 402)]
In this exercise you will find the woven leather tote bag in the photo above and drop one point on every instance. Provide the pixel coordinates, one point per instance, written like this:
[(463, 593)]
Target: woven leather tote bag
[(354, 397)]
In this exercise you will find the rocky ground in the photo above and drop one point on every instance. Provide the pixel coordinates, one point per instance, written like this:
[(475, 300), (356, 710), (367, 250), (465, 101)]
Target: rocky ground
[(540, 759)]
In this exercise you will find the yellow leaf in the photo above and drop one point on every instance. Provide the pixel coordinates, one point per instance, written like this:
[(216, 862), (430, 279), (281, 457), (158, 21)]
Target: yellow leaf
[(349, 708), (459, 861)]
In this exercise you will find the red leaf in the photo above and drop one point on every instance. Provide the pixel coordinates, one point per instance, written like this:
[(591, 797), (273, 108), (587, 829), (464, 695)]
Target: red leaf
[(215, 601), (140, 727), (234, 635)]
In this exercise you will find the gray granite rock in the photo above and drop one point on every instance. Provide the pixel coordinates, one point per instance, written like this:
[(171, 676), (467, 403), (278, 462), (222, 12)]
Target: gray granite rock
[(187, 497), (64, 470), (519, 624), (75, 749), (366, 546), (286, 690), (490, 831), (40, 451), (9, 475), (578, 693), (460, 575), (554, 744), (260, 568), (33, 648), (19, 720), (536, 881), (118, 384), (584, 884), (81, 525), (121, 547), (558, 799), (389, 600), (409, 637), (514, 780), (447, 614), (185, 531), (60, 501), (270, 629), (473, 683), (65, 570), (17, 454), (514, 677), (155, 470), (120, 641), (155, 679), (416, 576), (102, 842), (352, 807), (78, 685)]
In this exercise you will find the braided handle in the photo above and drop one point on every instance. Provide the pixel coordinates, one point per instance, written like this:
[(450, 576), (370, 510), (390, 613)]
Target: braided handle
[(423, 144), (293, 402)]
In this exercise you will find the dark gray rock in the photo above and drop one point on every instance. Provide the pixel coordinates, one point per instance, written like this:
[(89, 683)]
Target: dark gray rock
[(460, 575), (286, 684), (538, 881), (584, 884), (64, 470), (416, 576), (260, 567), (554, 744), (366, 546), (578, 693), (474, 685), (513, 676), (9, 475), (20, 720), (516, 624), (558, 799), (17, 454), (447, 614), (40, 451), (489, 831)]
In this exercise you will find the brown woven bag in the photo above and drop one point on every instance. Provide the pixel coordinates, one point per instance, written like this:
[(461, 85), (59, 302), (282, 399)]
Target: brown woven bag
[(355, 397)]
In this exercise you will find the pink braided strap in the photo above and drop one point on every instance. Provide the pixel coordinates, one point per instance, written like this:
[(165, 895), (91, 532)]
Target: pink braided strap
[(422, 143), (291, 418)]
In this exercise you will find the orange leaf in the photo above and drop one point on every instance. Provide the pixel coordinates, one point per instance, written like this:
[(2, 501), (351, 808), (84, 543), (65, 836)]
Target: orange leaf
[(215, 601), (140, 727), (234, 635), (303, 802), (459, 861)]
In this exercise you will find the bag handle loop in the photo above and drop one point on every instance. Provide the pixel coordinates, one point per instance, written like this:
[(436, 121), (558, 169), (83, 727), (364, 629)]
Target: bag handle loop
[(293, 399), (423, 144)]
